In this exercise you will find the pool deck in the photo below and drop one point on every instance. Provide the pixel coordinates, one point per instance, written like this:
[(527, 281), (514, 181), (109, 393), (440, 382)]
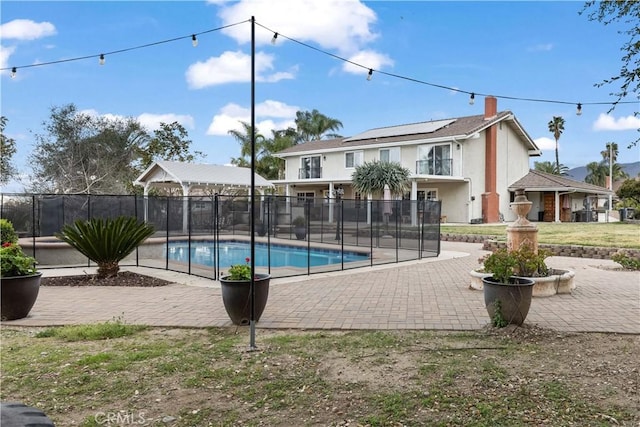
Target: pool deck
[(428, 294)]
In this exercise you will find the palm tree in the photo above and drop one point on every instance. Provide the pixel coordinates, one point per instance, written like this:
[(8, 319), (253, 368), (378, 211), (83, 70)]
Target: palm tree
[(597, 173), (244, 138), (549, 167), (106, 241), (556, 127), (313, 125), (612, 166), (371, 177)]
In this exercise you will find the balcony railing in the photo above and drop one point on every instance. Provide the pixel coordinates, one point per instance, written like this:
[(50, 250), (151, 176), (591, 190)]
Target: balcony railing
[(309, 173), (441, 167)]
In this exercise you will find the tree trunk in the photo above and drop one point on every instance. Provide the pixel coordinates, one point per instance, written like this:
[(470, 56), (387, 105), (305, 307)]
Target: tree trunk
[(108, 269)]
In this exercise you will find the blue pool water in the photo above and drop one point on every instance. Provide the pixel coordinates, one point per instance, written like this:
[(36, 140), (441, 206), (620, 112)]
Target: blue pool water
[(232, 252)]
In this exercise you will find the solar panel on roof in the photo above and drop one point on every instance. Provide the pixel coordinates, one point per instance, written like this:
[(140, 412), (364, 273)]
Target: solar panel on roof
[(412, 129)]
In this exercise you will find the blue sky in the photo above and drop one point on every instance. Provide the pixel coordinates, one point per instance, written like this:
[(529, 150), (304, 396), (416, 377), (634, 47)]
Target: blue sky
[(542, 50)]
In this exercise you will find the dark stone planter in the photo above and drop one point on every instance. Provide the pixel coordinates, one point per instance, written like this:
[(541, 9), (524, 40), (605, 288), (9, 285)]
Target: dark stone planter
[(515, 298), (236, 298), (300, 232), (18, 295)]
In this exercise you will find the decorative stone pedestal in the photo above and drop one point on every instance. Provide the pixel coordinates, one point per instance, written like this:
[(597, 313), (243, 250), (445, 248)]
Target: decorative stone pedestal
[(522, 231)]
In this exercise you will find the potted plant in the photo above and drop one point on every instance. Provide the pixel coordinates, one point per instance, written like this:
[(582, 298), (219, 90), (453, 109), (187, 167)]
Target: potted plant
[(507, 296), (300, 227), (19, 278), (236, 293), (546, 281)]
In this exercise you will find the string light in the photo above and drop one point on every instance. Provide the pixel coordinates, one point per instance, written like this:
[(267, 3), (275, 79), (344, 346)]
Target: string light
[(454, 89), (472, 99), (369, 75), (14, 71)]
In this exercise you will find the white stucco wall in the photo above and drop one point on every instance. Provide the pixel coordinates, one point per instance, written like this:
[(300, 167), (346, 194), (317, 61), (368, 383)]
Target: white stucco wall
[(513, 164)]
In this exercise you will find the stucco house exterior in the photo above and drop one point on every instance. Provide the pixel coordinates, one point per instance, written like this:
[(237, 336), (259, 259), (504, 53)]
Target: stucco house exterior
[(467, 163)]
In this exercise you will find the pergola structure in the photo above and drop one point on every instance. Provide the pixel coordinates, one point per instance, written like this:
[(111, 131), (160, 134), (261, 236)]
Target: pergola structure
[(194, 179)]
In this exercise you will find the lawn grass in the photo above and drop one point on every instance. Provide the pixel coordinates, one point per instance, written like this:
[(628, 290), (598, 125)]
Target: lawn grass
[(184, 377), (613, 234)]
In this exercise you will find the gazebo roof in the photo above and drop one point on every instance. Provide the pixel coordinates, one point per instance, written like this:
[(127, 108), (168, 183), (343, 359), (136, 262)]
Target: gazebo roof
[(542, 181), (200, 175)]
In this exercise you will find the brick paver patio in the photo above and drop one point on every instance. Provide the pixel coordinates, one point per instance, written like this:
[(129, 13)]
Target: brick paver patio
[(430, 294)]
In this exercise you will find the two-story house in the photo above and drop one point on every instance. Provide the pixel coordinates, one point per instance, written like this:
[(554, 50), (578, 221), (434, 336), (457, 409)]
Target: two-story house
[(467, 163)]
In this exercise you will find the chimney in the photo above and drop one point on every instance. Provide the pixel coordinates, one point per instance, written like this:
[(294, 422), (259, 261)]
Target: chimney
[(490, 107)]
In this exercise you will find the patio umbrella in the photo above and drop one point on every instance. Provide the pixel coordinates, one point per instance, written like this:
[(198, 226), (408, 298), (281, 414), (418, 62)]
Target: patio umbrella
[(386, 207)]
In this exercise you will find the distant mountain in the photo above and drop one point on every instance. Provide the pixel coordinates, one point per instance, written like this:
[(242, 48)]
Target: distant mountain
[(579, 174)]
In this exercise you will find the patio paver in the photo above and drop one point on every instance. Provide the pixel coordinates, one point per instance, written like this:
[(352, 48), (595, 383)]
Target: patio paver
[(430, 294)]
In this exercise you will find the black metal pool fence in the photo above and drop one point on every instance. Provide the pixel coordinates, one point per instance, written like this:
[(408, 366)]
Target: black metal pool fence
[(387, 231)]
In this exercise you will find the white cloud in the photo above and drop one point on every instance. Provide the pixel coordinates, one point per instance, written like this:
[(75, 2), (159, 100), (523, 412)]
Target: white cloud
[(270, 108), (152, 121), (369, 59), (542, 47), (26, 29), (108, 116), (344, 25), (232, 67), (545, 143), (232, 114), (608, 122), (5, 53), (148, 120)]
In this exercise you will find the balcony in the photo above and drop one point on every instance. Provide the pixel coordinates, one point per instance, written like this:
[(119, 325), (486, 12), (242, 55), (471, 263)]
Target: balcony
[(441, 167), (309, 173)]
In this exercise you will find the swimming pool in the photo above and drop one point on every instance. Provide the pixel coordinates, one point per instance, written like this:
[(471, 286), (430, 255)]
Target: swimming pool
[(233, 252)]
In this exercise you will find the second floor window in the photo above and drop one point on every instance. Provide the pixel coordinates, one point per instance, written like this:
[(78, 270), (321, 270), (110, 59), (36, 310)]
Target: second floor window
[(310, 167), (390, 154), (434, 160), (353, 159)]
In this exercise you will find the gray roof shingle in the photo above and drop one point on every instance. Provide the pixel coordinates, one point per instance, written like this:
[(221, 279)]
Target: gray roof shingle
[(536, 180), (462, 126)]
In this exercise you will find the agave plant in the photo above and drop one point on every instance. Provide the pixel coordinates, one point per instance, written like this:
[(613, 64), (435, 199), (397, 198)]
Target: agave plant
[(106, 241)]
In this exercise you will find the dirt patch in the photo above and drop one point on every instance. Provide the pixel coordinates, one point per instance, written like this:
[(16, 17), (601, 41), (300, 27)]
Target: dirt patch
[(185, 377), (124, 278)]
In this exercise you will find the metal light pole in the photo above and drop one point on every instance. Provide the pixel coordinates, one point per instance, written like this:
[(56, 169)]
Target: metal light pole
[(252, 289), (338, 193), (610, 179)]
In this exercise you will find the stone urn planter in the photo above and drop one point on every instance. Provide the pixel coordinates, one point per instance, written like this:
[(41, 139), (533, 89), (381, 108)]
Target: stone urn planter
[(507, 302), (18, 295), (236, 297), (557, 282)]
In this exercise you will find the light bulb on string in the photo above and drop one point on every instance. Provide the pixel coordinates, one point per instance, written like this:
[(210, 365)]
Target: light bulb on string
[(472, 99), (274, 39), (194, 40), (370, 74), (14, 71), (101, 60), (579, 109)]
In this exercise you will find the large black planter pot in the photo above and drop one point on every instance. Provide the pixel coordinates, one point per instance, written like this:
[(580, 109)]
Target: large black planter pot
[(515, 298), (236, 298), (18, 295), (300, 232)]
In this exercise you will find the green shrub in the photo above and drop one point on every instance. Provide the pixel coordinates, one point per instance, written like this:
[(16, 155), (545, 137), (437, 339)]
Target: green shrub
[(299, 221), (523, 262), (7, 232), (626, 260), (106, 241)]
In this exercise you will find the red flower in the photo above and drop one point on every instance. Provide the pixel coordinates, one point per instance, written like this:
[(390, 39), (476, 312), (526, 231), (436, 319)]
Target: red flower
[(7, 244), (247, 259)]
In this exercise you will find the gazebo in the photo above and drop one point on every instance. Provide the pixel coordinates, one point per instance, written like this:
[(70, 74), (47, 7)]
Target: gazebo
[(194, 178)]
